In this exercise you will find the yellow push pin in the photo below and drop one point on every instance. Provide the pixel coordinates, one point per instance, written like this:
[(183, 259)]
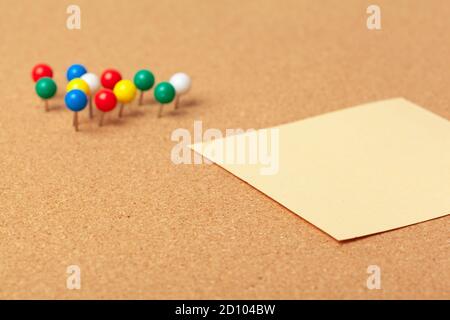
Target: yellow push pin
[(125, 91)]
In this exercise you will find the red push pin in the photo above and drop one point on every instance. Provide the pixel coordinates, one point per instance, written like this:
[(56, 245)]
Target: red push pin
[(109, 78), (105, 101), (41, 70)]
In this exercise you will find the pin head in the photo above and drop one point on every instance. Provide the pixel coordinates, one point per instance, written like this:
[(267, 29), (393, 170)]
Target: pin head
[(144, 80), (75, 71), (45, 88), (181, 82), (125, 91), (80, 84), (105, 100), (109, 78), (164, 92), (76, 100), (92, 81), (41, 70)]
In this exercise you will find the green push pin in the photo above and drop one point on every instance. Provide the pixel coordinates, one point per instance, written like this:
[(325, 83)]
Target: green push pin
[(46, 89), (164, 93), (144, 81)]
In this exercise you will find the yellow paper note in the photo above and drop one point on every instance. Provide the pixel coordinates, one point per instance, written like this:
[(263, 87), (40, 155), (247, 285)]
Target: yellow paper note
[(353, 172)]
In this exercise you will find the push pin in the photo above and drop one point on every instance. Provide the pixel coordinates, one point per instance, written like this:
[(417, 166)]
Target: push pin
[(109, 78), (144, 81), (46, 89), (40, 71), (93, 82), (75, 71), (164, 93), (182, 84), (76, 100), (105, 101), (125, 91)]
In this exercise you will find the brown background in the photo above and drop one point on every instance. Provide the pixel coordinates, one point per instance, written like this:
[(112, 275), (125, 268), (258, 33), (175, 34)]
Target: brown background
[(111, 201)]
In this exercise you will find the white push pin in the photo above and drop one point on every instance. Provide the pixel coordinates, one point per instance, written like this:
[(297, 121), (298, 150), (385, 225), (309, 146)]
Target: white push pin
[(182, 83), (94, 84)]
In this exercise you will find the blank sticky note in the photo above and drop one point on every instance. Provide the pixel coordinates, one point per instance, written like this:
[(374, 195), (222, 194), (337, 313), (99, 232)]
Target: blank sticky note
[(357, 171)]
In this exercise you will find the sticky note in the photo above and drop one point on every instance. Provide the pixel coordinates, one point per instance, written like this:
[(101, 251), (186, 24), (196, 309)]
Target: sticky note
[(352, 172)]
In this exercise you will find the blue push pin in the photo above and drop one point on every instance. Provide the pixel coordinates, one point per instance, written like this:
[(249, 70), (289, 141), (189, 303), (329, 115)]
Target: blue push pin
[(76, 100), (75, 71)]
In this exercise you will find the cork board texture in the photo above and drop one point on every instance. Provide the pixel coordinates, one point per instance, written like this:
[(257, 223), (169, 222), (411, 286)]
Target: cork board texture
[(111, 201)]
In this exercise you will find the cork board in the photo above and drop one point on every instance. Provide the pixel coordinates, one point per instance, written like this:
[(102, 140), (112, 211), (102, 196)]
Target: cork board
[(111, 201)]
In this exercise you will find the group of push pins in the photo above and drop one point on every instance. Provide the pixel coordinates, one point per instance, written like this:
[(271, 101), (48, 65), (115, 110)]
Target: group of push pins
[(84, 88)]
